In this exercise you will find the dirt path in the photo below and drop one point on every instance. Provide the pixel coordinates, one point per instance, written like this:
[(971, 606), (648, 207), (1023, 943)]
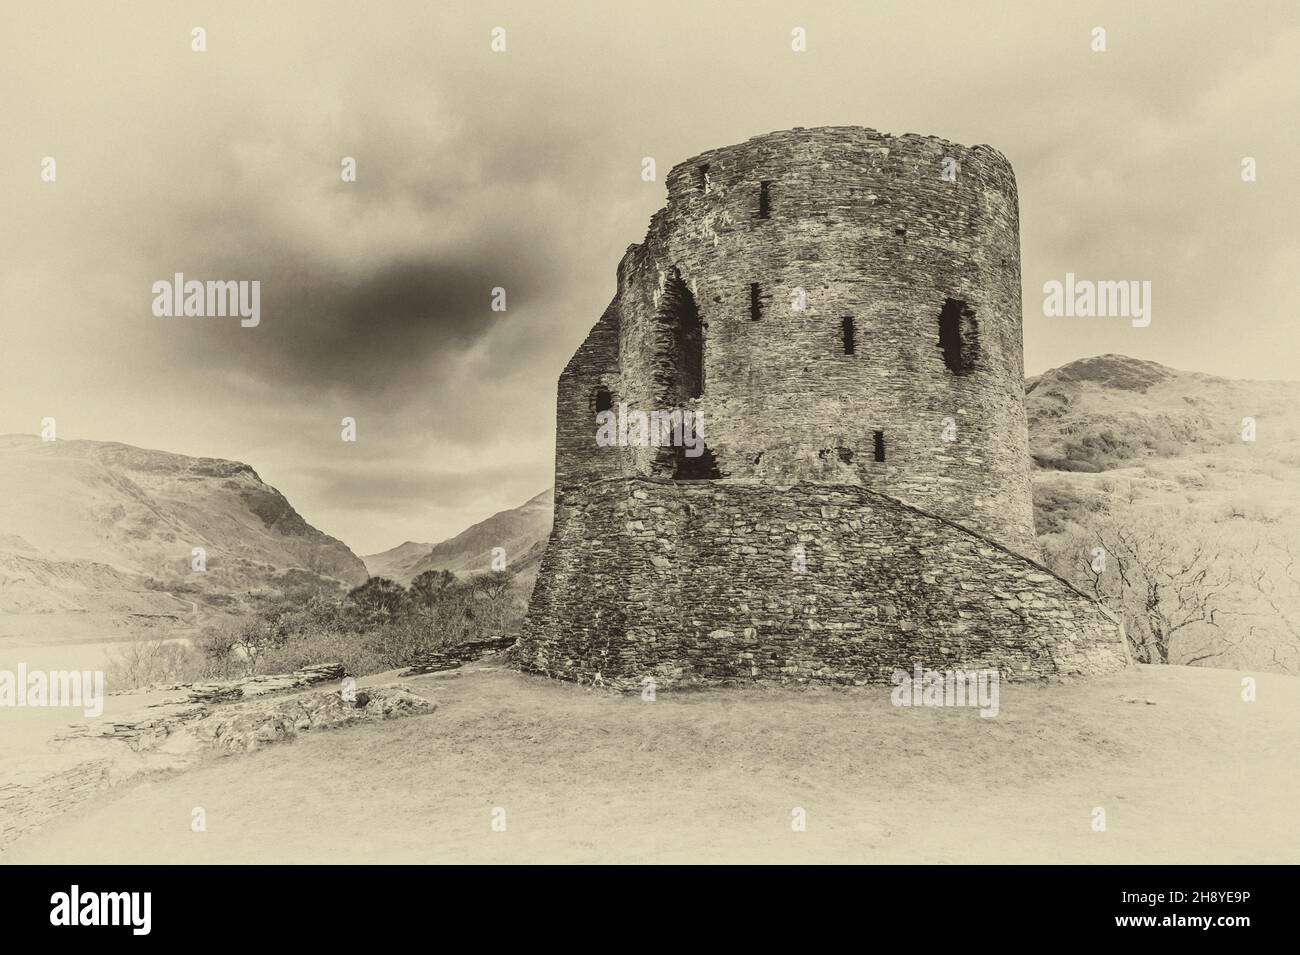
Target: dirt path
[(582, 775)]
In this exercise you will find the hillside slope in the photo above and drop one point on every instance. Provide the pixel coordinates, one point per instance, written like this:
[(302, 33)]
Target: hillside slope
[(91, 527), (522, 531), (397, 563), (1099, 413), (1153, 460)]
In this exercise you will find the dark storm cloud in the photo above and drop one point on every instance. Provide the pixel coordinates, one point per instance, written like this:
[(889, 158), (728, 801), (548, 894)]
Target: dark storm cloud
[(362, 333), (379, 286)]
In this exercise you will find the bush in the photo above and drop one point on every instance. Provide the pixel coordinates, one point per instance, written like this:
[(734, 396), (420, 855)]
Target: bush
[(400, 643), (379, 599), (429, 587), (131, 666), (1056, 506), (377, 626), (353, 650)]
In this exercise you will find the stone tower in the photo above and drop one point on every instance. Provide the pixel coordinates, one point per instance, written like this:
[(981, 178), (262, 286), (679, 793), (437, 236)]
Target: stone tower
[(841, 310)]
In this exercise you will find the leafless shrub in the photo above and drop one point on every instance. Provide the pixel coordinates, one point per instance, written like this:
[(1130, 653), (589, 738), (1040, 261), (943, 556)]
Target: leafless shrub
[(132, 666)]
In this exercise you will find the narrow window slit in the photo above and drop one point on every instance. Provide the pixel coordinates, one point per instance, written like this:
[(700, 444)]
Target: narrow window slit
[(702, 177), (850, 331), (880, 445), (765, 199), (755, 305)]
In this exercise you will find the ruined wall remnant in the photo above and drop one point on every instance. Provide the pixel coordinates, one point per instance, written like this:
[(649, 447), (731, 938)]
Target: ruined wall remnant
[(846, 318)]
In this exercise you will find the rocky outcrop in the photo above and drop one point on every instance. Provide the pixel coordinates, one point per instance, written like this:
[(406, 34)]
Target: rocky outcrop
[(238, 714), (224, 691), (178, 731), (247, 726)]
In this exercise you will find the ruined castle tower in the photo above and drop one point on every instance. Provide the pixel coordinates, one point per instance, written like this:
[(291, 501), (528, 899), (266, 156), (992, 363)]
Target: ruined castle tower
[(842, 309)]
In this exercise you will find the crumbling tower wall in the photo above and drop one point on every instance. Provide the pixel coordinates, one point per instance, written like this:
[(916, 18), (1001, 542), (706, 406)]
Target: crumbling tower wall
[(843, 308)]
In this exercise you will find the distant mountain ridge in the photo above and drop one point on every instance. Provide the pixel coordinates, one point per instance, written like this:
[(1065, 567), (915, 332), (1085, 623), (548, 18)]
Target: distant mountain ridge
[(95, 527), (397, 563), (522, 531)]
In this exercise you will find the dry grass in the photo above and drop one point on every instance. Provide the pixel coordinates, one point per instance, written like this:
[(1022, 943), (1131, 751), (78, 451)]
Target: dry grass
[(585, 775)]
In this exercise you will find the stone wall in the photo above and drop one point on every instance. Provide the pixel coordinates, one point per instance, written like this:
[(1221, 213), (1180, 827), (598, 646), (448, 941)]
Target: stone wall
[(692, 582), (846, 318)]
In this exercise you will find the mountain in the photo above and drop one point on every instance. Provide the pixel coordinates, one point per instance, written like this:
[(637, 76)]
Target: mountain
[(397, 563), (1162, 438), (105, 529), (522, 531), (1099, 413)]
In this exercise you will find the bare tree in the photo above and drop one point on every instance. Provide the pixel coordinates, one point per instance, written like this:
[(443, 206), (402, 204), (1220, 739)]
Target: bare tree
[(1162, 578), (495, 585), (430, 586), (1271, 572)]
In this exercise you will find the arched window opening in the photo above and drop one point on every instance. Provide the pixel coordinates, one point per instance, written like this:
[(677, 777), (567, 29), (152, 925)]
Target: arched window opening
[(958, 336)]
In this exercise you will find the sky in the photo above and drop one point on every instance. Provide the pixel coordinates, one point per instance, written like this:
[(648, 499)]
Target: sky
[(521, 170)]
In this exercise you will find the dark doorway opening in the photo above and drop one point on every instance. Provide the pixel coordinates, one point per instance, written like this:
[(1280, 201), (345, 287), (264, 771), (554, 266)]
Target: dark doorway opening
[(704, 467)]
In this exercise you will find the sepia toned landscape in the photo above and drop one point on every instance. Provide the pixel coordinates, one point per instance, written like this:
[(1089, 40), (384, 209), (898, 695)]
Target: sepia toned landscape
[(593, 435), (665, 783)]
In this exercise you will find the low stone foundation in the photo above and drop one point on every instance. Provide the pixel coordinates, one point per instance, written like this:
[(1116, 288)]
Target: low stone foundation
[(697, 582)]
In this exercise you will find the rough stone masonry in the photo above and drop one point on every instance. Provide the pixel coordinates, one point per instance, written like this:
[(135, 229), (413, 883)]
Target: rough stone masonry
[(843, 309)]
